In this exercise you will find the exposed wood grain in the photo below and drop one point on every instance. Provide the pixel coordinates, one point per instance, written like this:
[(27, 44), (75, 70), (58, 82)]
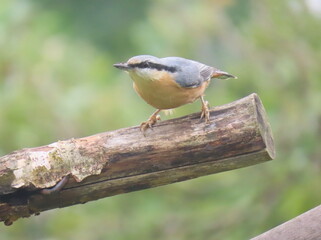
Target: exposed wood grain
[(307, 226), (124, 160)]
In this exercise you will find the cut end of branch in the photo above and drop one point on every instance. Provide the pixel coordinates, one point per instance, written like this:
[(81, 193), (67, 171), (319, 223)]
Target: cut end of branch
[(264, 125)]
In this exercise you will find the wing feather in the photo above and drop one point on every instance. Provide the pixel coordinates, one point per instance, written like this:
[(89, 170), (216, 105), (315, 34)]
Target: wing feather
[(206, 72), (189, 74)]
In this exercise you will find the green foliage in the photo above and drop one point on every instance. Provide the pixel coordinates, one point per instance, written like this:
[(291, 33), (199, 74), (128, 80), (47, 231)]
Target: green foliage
[(57, 82)]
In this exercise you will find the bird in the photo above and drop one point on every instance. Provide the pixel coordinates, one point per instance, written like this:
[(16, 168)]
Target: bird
[(170, 82)]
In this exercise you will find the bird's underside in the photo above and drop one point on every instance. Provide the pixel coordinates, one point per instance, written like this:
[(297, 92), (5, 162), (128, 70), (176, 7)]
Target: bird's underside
[(152, 120)]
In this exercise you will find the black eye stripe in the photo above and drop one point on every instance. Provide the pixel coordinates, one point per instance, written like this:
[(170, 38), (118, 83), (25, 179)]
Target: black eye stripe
[(151, 65)]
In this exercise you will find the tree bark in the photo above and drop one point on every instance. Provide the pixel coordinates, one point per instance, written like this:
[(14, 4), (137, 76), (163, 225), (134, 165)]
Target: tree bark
[(307, 226), (125, 160)]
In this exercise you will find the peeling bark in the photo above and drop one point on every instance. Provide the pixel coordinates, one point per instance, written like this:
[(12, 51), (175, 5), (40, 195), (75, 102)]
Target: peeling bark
[(124, 160)]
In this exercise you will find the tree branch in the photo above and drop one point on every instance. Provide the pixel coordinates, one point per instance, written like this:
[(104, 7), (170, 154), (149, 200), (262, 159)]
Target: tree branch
[(306, 226), (124, 160)]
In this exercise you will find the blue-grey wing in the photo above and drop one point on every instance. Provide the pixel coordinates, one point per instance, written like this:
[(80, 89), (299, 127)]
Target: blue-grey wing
[(189, 73), (194, 75)]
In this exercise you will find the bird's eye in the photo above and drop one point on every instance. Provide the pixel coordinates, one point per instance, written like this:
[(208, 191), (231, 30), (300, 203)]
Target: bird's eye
[(145, 65)]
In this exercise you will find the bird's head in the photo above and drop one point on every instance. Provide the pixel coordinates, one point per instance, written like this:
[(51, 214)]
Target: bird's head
[(137, 63), (145, 66)]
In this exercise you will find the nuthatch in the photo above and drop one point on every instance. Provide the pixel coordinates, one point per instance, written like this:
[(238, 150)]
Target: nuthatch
[(167, 83)]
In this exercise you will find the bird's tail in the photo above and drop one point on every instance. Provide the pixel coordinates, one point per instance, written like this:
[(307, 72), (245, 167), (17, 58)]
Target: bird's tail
[(222, 75)]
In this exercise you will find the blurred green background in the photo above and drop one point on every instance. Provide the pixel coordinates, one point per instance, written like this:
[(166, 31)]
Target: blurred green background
[(57, 82)]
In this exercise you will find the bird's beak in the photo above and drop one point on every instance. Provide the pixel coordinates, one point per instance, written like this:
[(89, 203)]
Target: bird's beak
[(122, 66)]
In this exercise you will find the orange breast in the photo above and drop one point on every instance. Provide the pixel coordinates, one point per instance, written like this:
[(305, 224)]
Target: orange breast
[(163, 93)]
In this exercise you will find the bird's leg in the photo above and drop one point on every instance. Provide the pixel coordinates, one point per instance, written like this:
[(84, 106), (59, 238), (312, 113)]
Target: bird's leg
[(205, 111), (151, 121)]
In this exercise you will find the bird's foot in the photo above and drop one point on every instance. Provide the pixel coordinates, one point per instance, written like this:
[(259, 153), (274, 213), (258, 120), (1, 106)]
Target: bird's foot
[(205, 111), (149, 123)]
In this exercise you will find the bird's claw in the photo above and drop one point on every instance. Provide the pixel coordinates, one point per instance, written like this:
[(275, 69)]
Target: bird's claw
[(205, 112), (149, 123)]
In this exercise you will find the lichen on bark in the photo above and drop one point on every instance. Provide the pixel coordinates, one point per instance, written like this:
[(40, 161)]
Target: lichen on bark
[(43, 167)]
